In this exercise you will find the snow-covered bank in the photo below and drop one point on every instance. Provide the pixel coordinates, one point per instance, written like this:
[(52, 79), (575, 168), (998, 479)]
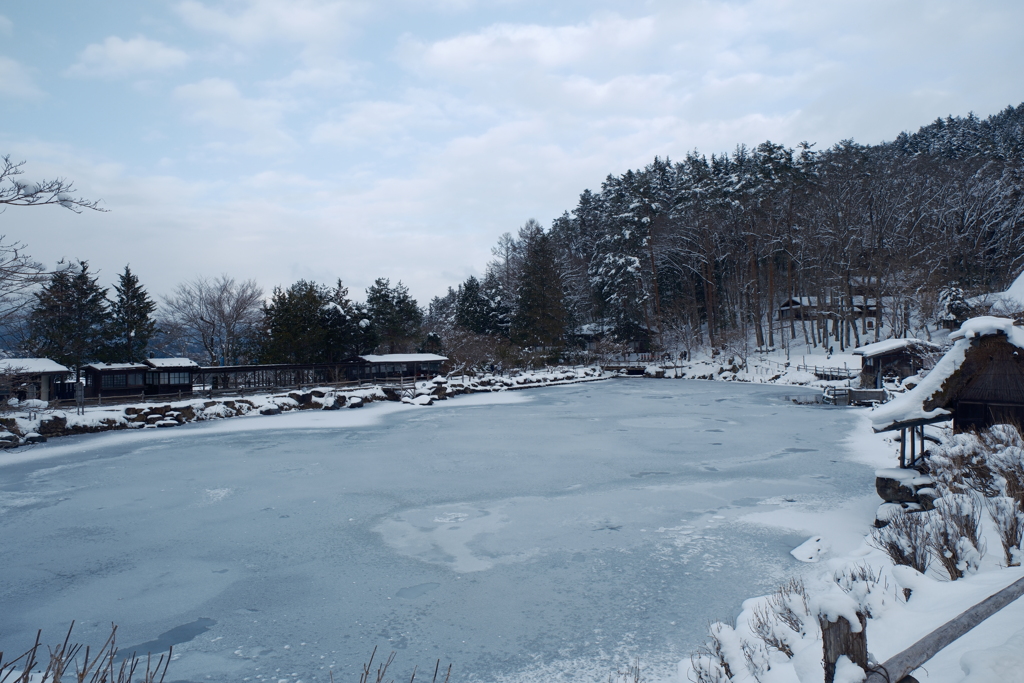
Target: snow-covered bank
[(34, 423), (777, 638), (762, 368)]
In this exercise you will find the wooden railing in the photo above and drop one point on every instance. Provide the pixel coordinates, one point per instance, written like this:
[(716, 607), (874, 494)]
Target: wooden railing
[(839, 638)]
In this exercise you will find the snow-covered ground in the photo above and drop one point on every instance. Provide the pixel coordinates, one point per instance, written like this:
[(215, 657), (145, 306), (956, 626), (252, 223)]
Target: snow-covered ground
[(523, 536)]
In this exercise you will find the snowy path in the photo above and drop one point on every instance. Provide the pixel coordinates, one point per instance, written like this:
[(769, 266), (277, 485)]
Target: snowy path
[(527, 536)]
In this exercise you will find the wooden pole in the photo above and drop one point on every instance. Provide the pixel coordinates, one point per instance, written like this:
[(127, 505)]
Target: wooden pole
[(903, 448), (838, 639)]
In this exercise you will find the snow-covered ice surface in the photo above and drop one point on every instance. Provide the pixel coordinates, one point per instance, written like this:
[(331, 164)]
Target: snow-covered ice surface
[(545, 535)]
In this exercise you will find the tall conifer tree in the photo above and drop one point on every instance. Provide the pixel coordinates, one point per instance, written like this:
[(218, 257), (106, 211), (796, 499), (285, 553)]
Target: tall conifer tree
[(540, 318), (395, 315), (131, 319), (69, 323)]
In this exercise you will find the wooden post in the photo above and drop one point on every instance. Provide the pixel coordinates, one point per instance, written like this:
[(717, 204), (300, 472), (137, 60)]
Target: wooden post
[(903, 448), (913, 445), (838, 639)]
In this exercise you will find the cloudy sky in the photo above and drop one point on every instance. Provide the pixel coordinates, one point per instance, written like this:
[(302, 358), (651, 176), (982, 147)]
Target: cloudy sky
[(317, 139)]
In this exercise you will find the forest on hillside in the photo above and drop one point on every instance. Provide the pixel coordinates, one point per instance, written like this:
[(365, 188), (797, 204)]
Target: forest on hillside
[(703, 252)]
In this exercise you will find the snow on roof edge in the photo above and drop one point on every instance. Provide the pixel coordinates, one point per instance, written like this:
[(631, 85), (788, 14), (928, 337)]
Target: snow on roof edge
[(32, 366), (887, 345), (403, 358)]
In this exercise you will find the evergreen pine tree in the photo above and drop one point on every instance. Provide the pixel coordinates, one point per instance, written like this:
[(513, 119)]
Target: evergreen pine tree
[(540, 317), (309, 323), (131, 319), (394, 314), (497, 305), (69, 323), (471, 309)]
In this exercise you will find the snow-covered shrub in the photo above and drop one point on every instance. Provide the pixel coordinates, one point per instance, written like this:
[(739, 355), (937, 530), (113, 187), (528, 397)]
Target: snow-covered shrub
[(1008, 517), (870, 588), (780, 620), (1008, 464), (709, 663), (955, 534), (725, 657), (905, 539), (960, 464)]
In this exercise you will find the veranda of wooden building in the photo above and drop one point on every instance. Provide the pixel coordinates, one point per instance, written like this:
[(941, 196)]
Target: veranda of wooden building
[(979, 382), (894, 358)]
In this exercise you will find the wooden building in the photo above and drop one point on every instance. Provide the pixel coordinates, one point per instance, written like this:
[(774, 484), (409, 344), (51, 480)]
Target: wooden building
[(976, 384), (860, 307), (393, 365), (23, 378), (799, 308), (898, 358), (160, 376), (366, 368)]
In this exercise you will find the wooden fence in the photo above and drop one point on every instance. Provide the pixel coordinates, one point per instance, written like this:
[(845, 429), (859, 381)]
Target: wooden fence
[(839, 639)]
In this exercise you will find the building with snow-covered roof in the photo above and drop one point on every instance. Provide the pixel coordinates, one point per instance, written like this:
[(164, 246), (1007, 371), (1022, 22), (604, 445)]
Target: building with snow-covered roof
[(976, 384), (799, 308), (898, 358), (20, 377), (375, 366), (151, 376)]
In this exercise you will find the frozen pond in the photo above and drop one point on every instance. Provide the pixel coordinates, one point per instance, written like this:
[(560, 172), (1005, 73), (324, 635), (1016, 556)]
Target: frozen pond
[(534, 535)]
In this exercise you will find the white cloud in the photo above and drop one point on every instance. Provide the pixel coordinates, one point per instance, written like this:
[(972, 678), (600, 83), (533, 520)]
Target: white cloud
[(546, 47), (118, 57), (219, 103), (327, 74), (16, 81), (417, 119), (314, 23)]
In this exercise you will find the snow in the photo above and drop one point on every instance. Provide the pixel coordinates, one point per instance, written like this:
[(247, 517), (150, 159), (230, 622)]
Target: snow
[(847, 671), (986, 325), (890, 345), (810, 550), (117, 366), (32, 366), (171, 363), (1003, 663), (907, 477), (1009, 302), (403, 358)]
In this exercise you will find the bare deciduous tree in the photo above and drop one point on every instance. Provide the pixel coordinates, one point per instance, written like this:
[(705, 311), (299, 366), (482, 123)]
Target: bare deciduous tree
[(218, 315), (18, 275), (16, 192)]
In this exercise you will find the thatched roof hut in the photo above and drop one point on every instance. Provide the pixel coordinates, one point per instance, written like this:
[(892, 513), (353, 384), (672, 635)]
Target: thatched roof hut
[(978, 383)]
